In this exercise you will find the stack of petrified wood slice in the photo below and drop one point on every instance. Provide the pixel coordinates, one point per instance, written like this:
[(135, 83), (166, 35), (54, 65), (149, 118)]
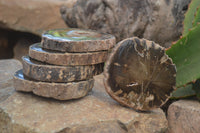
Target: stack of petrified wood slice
[(62, 66)]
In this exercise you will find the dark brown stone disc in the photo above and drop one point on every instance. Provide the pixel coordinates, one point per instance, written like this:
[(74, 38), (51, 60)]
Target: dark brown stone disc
[(139, 74), (44, 72), (60, 91), (76, 40), (59, 58)]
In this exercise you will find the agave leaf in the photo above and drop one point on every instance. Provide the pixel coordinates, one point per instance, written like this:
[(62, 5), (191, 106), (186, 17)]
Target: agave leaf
[(183, 92), (185, 54), (197, 17), (189, 16), (196, 88)]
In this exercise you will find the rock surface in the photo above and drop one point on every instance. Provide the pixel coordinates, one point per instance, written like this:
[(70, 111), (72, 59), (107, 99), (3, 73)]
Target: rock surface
[(95, 113), (21, 47), (157, 20), (59, 58), (15, 44), (7, 70), (32, 16), (184, 116)]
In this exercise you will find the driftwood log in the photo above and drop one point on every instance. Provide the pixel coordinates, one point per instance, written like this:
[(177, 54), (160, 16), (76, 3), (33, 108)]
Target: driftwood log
[(139, 74), (63, 58), (60, 91), (76, 40), (44, 72)]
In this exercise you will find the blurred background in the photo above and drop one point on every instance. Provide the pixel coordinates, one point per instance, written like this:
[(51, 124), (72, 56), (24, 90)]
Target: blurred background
[(23, 21)]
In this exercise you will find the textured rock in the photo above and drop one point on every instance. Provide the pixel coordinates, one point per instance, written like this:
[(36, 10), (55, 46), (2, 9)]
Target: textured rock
[(33, 16), (14, 43), (51, 73), (94, 113), (59, 58), (5, 48), (184, 117), (60, 91), (139, 74), (157, 20), (7, 70), (23, 42), (77, 40)]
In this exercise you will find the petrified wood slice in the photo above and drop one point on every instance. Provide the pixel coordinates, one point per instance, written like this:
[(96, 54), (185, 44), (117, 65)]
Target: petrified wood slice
[(59, 58), (60, 91), (43, 72), (76, 40), (139, 74)]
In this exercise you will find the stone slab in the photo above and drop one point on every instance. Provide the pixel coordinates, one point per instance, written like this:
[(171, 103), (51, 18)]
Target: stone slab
[(62, 58), (77, 40), (60, 91), (34, 16), (95, 113), (7, 70), (50, 73), (184, 116)]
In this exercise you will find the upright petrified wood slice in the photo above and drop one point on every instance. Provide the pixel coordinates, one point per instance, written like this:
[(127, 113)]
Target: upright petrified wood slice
[(139, 74), (77, 40), (50, 73), (60, 91), (59, 58)]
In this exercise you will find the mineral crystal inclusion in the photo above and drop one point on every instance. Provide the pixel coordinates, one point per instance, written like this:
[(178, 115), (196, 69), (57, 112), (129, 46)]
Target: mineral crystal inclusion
[(72, 35)]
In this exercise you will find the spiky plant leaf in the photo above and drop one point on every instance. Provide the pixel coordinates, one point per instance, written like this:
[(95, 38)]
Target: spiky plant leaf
[(197, 17), (190, 15), (183, 92), (185, 54), (196, 88)]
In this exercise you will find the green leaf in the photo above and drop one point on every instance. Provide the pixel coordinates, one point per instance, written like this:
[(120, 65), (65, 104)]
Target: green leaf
[(186, 56), (197, 17), (183, 92), (196, 88), (189, 16)]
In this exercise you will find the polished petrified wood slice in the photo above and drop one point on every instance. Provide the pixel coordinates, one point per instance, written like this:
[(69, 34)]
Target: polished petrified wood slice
[(139, 74), (50, 73), (59, 58), (60, 91), (76, 40)]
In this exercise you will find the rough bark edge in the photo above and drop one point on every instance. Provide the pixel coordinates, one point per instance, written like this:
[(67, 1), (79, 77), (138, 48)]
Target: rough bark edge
[(27, 85), (106, 77), (65, 59), (79, 46), (84, 72)]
